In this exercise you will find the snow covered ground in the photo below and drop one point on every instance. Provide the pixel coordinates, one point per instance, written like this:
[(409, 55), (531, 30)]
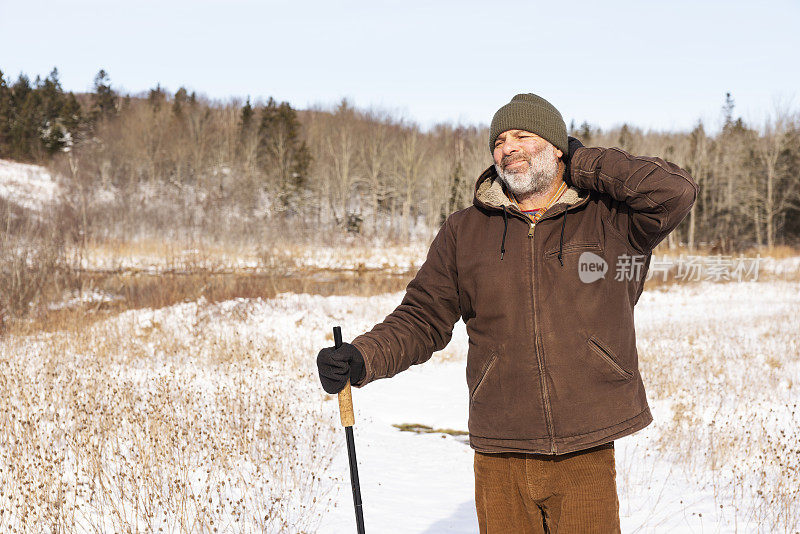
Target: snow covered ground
[(424, 482), (721, 364), (29, 186), (205, 415)]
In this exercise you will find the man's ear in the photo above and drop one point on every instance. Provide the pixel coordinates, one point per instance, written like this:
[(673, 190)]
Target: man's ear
[(559, 154)]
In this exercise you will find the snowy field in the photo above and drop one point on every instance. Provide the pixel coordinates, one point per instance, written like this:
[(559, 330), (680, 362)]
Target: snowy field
[(722, 366), (206, 416)]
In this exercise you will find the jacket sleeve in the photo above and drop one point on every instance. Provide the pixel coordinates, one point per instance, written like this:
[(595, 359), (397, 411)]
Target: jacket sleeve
[(650, 196), (423, 322)]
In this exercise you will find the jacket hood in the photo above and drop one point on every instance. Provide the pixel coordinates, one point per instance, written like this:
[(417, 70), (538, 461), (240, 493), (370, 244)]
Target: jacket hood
[(489, 192)]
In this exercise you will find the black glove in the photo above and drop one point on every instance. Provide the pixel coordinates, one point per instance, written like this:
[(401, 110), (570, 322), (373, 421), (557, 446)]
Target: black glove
[(572, 146), (337, 365)]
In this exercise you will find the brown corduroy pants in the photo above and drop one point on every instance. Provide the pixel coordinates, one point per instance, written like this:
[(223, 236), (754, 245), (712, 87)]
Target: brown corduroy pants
[(539, 493)]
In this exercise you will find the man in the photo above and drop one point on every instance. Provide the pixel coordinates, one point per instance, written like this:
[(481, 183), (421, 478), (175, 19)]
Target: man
[(533, 268)]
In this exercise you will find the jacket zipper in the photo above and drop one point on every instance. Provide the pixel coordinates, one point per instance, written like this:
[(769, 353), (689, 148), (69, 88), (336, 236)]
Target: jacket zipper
[(545, 396)]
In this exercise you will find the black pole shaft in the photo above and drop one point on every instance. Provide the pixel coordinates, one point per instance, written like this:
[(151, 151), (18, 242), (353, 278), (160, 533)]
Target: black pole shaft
[(351, 453), (337, 336)]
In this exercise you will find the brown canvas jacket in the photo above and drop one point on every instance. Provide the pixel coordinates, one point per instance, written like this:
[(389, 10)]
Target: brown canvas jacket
[(551, 364)]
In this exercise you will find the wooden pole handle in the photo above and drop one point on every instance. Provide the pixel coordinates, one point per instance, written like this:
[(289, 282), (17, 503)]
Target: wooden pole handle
[(346, 406), (346, 414)]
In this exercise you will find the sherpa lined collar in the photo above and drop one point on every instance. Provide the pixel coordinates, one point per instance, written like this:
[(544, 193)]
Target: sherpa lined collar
[(489, 192)]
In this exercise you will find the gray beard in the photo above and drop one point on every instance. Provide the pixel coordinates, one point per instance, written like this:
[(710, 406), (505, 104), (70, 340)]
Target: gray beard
[(541, 174)]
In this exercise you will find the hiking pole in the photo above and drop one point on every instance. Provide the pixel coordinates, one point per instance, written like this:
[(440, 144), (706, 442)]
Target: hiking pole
[(348, 420)]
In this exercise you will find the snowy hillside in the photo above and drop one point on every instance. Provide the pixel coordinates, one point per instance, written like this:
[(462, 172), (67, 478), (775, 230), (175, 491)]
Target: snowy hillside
[(29, 186)]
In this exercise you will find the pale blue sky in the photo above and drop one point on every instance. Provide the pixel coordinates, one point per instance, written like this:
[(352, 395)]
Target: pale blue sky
[(660, 65)]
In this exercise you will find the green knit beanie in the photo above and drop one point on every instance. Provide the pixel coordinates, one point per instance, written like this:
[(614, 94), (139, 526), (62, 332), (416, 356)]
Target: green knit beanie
[(534, 114)]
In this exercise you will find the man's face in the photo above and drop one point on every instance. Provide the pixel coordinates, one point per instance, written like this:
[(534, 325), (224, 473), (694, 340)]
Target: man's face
[(525, 162)]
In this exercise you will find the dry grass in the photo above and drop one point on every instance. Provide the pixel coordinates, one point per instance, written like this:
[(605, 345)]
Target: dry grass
[(727, 366), (148, 255), (777, 252), (172, 423), (154, 274), (141, 291), (418, 428), (34, 262)]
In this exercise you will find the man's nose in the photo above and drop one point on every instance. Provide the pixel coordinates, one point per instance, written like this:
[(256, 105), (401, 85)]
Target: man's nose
[(510, 145)]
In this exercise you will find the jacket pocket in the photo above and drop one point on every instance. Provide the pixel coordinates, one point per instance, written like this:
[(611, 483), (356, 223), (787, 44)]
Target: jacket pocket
[(601, 350), (573, 247), (485, 371)]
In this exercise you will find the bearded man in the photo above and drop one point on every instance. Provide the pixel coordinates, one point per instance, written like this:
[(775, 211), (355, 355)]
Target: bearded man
[(552, 368)]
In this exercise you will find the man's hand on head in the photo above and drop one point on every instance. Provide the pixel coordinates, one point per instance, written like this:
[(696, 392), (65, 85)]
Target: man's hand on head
[(574, 145)]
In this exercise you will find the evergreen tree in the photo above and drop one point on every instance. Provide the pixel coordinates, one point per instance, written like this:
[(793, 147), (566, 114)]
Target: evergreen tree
[(24, 137), (300, 168), (6, 113), (37, 119), (156, 97), (246, 117), (104, 98), (624, 137), (72, 115), (727, 110), (585, 133), (181, 98), (457, 182), (54, 135), (244, 147), (282, 154), (52, 96)]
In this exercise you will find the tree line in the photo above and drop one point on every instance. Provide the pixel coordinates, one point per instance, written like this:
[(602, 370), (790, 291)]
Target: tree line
[(183, 166)]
